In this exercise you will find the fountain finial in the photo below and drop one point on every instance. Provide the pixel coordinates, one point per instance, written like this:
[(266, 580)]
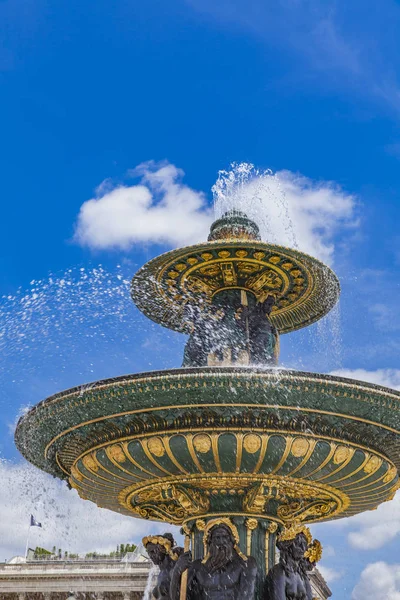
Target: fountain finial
[(234, 224)]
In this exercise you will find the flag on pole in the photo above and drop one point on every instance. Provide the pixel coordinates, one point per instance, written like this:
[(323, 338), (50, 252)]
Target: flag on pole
[(34, 523)]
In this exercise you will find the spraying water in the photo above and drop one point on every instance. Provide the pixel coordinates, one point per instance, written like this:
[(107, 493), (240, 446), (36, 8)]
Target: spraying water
[(260, 195), (82, 323)]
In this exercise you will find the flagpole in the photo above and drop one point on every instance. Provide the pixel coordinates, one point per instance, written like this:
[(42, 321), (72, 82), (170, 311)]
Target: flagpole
[(27, 540)]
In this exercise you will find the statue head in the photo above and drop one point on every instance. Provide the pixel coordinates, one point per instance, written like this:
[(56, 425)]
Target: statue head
[(159, 547), (293, 543), (220, 544), (295, 548)]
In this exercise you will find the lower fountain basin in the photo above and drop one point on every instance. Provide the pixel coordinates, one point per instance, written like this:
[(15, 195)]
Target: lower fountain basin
[(186, 443)]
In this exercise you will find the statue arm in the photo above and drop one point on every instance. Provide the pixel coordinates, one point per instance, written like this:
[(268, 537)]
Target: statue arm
[(183, 563)]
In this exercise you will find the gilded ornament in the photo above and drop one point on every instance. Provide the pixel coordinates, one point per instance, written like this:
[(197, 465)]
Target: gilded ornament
[(210, 270), (241, 253), (272, 527), (290, 532), (224, 254), (342, 453), (275, 260), (252, 443), (202, 443), (156, 446), (200, 524), (300, 447), (90, 463), (390, 475), (251, 524), (373, 464), (76, 474), (115, 452), (206, 256), (192, 260), (160, 540), (314, 552)]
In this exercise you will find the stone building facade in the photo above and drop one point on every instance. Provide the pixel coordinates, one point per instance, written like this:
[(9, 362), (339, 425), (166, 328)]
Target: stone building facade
[(100, 579), (83, 579)]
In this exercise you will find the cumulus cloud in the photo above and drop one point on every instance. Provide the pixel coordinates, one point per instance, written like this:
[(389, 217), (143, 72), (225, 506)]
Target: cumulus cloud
[(328, 573), (372, 530), (68, 521), (160, 209), (378, 581), (289, 208), (386, 377)]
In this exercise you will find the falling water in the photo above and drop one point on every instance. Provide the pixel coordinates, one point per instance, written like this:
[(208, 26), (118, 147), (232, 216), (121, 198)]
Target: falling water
[(151, 582)]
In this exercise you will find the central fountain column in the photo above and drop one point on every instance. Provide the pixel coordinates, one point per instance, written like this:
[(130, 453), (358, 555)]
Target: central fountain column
[(256, 537)]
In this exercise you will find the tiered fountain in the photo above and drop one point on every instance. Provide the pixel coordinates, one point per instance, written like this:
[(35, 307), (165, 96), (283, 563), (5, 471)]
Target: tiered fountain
[(228, 435)]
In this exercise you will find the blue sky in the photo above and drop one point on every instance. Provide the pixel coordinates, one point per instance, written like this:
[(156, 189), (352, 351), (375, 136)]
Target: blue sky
[(91, 90)]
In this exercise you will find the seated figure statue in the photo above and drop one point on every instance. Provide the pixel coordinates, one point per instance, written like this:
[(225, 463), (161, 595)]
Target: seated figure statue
[(224, 573), (163, 553), (288, 580), (264, 339)]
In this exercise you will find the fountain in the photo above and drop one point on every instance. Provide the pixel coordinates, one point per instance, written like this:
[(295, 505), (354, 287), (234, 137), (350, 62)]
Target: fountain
[(228, 440)]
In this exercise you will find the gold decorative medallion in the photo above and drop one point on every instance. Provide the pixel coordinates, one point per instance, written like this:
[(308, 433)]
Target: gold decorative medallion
[(115, 452), (300, 447), (373, 464), (90, 463), (156, 446), (342, 453), (390, 475), (252, 443), (202, 443)]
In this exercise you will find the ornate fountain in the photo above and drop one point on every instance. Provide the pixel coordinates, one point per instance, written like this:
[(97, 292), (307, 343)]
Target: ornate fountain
[(229, 436)]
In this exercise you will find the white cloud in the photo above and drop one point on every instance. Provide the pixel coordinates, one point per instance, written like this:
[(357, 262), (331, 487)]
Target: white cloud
[(158, 210), (328, 573), (386, 377), (378, 581), (68, 521), (372, 530), (289, 208)]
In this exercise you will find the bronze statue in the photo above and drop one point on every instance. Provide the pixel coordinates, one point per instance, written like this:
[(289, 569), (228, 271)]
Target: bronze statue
[(231, 328), (263, 339), (288, 580), (163, 553), (224, 573)]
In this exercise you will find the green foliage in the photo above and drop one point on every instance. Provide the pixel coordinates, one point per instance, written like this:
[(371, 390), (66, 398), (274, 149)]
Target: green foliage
[(42, 552)]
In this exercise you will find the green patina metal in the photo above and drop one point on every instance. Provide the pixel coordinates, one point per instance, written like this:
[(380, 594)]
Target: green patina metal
[(262, 446)]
